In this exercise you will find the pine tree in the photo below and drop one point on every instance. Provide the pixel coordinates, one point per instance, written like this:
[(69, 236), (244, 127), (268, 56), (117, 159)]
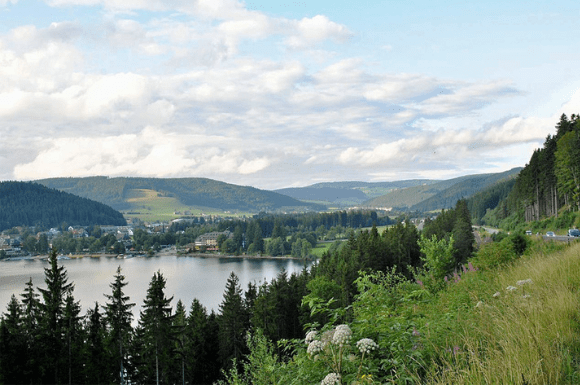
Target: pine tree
[(51, 325), (233, 323), (30, 305), (95, 356), (74, 338), (118, 317), (155, 334), (12, 343), (180, 327)]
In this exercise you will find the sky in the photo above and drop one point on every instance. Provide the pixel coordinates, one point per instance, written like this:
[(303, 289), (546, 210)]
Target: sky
[(282, 94)]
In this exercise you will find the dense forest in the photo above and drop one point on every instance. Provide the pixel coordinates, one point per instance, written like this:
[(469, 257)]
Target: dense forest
[(201, 192), (548, 186), (45, 339), (32, 204)]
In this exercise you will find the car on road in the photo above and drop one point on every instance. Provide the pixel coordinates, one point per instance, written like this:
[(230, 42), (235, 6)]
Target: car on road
[(550, 234), (574, 233)]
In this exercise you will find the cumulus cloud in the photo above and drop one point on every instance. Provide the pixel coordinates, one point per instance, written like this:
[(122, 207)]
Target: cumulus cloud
[(183, 93), (311, 31), (151, 152)]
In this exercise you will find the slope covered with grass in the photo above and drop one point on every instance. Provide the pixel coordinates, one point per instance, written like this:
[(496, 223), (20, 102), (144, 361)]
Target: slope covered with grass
[(502, 319)]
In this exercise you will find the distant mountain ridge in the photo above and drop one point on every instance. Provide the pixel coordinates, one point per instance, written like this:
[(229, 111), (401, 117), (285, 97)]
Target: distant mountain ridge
[(199, 192), (31, 204), (416, 194), (351, 192)]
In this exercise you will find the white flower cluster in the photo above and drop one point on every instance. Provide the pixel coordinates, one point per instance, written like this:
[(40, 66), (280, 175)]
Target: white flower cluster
[(314, 347), (511, 288), (366, 345), (342, 335), (310, 336), (331, 379), (524, 282)]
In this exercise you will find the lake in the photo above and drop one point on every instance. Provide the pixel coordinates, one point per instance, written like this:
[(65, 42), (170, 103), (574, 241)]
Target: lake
[(187, 278)]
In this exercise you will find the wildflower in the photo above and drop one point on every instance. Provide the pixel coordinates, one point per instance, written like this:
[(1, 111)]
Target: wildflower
[(310, 336), (524, 282), (496, 295), (445, 279), (331, 379), (314, 347), (511, 288), (341, 335), (366, 345), (416, 332), (526, 296), (471, 268), (327, 336), (420, 283)]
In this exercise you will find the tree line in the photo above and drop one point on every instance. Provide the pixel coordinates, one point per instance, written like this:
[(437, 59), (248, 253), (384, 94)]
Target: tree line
[(32, 204), (45, 339), (551, 179)]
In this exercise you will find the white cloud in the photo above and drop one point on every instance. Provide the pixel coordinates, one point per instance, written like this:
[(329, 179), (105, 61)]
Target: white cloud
[(152, 152), (312, 31)]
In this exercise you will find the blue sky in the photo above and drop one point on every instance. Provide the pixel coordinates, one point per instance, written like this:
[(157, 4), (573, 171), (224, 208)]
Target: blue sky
[(280, 94)]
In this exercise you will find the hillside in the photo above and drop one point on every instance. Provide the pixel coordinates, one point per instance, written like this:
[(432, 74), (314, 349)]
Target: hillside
[(123, 193), (464, 188), (29, 204), (439, 194), (350, 193), (549, 185)]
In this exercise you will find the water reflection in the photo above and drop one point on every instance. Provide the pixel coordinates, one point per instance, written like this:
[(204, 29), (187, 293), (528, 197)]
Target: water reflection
[(187, 278)]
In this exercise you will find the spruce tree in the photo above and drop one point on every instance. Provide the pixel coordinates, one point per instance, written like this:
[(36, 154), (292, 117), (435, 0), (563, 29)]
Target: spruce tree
[(12, 343), (118, 317), (155, 334), (51, 325), (95, 356), (233, 322), (30, 308)]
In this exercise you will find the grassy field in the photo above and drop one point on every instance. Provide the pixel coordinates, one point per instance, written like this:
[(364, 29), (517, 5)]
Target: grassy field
[(320, 248), (149, 205), (516, 325)]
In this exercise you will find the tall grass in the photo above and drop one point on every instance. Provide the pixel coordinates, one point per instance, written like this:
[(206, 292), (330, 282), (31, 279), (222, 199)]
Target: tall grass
[(530, 335)]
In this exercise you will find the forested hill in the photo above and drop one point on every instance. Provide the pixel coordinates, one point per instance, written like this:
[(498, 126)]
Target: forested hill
[(464, 188), (199, 192), (349, 192), (29, 204), (550, 182), (439, 195)]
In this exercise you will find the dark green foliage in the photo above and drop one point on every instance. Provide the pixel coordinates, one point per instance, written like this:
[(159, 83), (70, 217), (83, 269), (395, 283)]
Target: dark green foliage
[(396, 248), (550, 181), (31, 204), (190, 191), (489, 199), (456, 223), (277, 309), (465, 187), (53, 331), (154, 343), (12, 343), (96, 359), (233, 323), (118, 317), (436, 195)]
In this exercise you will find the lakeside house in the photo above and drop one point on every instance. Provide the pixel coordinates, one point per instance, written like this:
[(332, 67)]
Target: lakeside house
[(210, 239)]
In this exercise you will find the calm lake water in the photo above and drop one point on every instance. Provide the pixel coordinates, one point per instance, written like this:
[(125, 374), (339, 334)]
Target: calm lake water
[(187, 277)]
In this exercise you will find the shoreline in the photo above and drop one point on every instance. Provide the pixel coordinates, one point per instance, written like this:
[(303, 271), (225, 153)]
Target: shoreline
[(162, 253)]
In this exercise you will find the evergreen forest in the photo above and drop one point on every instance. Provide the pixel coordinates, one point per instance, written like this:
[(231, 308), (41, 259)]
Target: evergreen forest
[(31, 204)]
